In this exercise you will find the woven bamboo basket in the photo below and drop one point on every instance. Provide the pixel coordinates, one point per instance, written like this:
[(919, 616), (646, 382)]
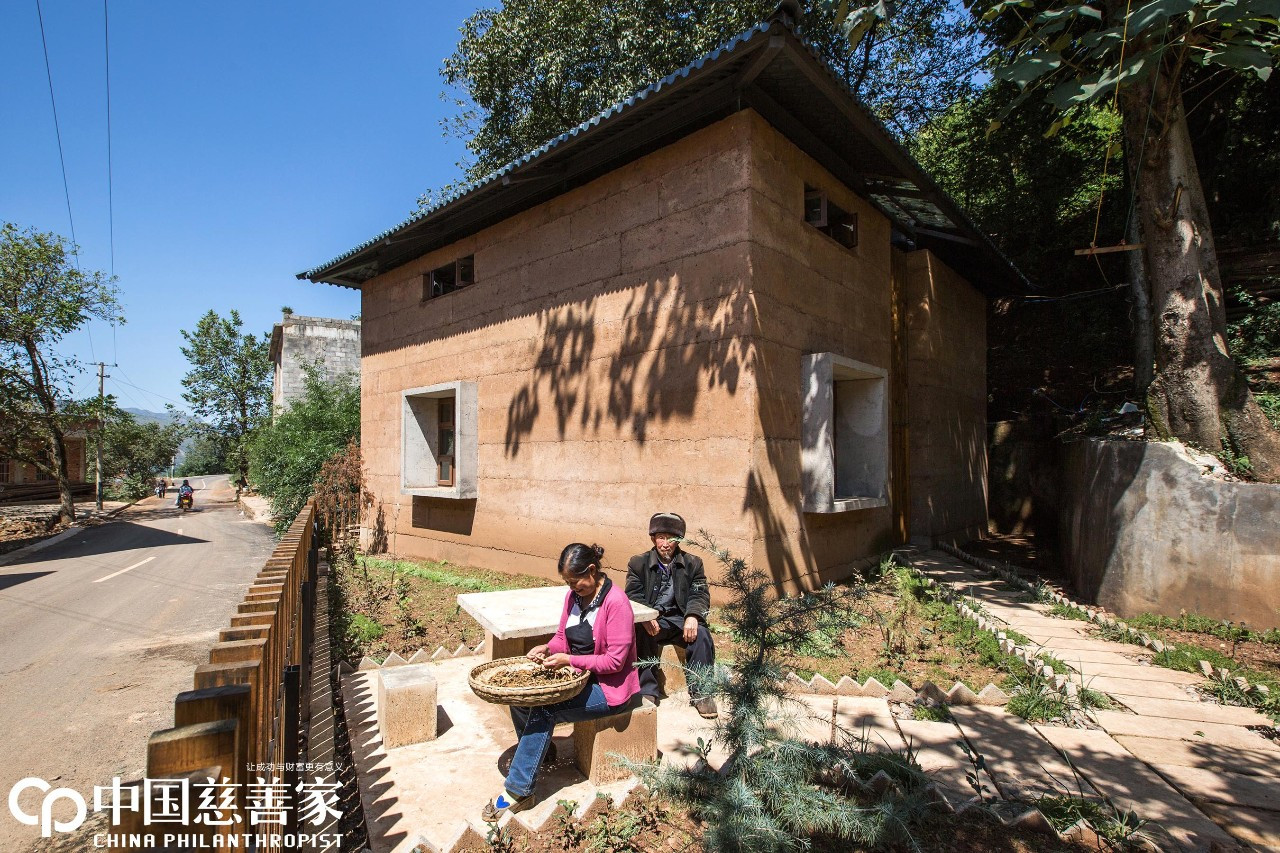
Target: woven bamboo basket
[(522, 697)]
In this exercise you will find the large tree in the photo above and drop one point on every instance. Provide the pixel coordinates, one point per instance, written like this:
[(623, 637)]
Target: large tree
[(229, 384), (1141, 55), (133, 451), (532, 69), (44, 296)]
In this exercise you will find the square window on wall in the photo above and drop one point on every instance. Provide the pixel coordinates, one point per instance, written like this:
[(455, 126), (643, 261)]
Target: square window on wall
[(844, 434), (829, 218), (438, 451)]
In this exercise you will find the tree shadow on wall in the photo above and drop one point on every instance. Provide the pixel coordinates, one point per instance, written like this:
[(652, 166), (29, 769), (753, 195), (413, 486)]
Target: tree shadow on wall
[(378, 537), (668, 351)]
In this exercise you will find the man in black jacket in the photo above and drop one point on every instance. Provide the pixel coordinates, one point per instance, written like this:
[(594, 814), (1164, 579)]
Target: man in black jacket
[(674, 583)]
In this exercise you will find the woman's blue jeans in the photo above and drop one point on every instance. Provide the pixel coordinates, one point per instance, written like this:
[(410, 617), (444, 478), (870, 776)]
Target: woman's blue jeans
[(533, 727)]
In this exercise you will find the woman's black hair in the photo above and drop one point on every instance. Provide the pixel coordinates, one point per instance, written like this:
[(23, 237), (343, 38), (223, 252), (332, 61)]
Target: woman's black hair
[(577, 559)]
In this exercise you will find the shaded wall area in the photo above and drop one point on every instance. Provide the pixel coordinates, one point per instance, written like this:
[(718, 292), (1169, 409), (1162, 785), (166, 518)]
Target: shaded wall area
[(946, 389), (609, 332), (1142, 530)]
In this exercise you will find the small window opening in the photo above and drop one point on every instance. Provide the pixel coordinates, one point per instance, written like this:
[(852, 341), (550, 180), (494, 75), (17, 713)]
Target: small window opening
[(829, 218), (445, 442), (450, 277)]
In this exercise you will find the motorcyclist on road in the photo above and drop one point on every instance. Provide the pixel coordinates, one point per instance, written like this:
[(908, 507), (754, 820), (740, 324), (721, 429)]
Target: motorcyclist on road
[(184, 490)]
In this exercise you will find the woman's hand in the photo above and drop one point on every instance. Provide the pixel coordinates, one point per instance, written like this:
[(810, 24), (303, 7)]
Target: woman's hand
[(557, 661), (537, 652)]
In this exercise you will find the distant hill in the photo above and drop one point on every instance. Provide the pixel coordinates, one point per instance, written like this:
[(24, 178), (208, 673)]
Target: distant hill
[(149, 417)]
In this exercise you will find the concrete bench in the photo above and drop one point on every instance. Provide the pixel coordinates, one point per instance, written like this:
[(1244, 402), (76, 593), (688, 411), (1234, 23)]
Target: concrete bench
[(406, 705), (632, 733), (516, 620)]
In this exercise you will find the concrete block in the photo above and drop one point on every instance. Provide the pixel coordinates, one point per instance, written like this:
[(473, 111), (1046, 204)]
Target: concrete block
[(931, 694), (846, 686), (874, 689), (406, 705), (671, 674), (960, 694), (902, 692), (821, 685), (366, 663), (420, 656), (631, 734), (992, 695), (394, 659)]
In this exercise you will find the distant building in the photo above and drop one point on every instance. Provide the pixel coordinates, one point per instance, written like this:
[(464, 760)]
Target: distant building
[(15, 472), (297, 341)]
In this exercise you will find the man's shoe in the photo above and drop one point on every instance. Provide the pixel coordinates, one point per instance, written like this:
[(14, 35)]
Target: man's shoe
[(504, 803), (647, 701), (550, 756), (706, 707)]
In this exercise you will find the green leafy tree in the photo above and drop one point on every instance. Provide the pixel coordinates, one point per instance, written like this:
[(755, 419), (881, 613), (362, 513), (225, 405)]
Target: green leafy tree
[(43, 298), (133, 452), (229, 384), (206, 453), (1140, 56), (287, 456), (531, 69)]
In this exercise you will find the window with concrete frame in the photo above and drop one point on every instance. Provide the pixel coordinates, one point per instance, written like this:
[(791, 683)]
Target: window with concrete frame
[(844, 434), (438, 441)]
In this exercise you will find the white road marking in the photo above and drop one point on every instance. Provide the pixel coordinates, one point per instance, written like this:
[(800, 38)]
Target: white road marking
[(122, 571)]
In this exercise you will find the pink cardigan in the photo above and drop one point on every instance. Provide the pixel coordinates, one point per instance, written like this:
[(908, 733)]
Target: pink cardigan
[(614, 661)]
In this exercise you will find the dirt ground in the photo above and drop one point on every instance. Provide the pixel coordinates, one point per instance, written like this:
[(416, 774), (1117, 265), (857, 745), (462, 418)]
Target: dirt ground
[(930, 651)]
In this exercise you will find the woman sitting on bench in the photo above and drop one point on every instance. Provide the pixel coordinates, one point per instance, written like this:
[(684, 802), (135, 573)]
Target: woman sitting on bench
[(597, 634)]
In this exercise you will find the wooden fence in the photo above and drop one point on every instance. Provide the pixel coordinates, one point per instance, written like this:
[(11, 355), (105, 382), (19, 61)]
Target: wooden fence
[(243, 718)]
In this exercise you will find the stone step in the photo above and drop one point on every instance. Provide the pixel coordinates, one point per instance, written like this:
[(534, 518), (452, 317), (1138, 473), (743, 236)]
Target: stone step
[(1203, 712), (865, 717), (1132, 785), (936, 747), (1137, 672), (1022, 763), (1232, 789), (1262, 761), (1129, 687), (1258, 827), (1082, 658), (1117, 723)]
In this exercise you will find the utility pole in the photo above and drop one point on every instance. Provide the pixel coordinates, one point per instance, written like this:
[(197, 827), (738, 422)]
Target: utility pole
[(102, 417)]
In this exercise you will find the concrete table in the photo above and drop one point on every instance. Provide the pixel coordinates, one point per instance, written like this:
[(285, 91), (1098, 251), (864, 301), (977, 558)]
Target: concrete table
[(516, 620)]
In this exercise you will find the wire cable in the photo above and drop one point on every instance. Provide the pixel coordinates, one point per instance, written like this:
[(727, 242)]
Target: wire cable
[(75, 249), (111, 212)]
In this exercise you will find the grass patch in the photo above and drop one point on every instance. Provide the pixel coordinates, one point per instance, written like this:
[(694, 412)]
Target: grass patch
[(1121, 829), (1032, 699), (1066, 611), (364, 629), (434, 572), (1194, 623), (933, 713)]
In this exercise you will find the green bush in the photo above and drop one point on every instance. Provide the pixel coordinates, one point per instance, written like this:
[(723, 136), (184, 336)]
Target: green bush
[(364, 629), (286, 456)]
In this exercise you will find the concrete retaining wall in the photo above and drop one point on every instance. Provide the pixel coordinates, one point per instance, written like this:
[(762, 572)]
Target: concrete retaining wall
[(1142, 530)]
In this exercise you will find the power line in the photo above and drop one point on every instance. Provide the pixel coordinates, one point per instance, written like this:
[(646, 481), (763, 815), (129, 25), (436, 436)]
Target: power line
[(75, 249), (140, 388), (111, 213)]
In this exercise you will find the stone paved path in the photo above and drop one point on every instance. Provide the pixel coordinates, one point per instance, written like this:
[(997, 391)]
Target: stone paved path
[(1190, 765)]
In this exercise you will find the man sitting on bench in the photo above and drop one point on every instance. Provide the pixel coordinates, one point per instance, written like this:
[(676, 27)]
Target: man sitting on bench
[(673, 583)]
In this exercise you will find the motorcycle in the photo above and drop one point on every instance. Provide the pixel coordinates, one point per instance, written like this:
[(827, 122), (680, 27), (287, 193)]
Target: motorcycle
[(185, 501)]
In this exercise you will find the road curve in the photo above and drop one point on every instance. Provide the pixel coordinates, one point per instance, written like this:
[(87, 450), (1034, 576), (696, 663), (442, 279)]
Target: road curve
[(100, 631)]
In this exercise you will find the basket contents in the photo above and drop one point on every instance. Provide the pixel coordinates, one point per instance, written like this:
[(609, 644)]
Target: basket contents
[(532, 675), (520, 681)]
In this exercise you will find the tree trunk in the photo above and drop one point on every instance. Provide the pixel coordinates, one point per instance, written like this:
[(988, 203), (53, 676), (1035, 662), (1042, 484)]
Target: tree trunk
[(48, 402), (1143, 347), (1198, 394)]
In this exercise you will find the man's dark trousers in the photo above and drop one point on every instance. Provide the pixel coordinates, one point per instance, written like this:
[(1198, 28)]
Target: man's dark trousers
[(701, 652)]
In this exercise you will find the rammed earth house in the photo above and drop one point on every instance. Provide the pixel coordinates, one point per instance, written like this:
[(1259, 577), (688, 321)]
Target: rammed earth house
[(732, 296)]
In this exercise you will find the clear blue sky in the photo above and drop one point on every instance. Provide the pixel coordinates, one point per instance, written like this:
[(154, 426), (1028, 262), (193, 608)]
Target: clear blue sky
[(249, 141)]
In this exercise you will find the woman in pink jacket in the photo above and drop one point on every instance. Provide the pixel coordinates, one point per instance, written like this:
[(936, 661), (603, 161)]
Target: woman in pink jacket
[(597, 633)]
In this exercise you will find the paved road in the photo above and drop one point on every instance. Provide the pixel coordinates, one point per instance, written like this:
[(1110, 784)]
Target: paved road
[(98, 632)]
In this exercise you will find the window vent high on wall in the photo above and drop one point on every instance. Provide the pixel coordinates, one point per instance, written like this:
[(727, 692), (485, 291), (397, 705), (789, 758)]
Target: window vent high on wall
[(830, 219)]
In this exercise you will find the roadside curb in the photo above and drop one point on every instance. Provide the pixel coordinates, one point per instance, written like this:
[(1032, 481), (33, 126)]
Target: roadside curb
[(14, 556)]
